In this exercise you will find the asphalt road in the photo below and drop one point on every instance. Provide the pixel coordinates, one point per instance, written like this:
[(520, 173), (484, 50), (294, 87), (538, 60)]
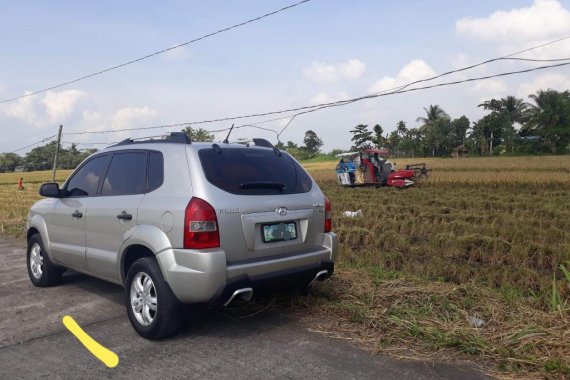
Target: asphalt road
[(212, 344)]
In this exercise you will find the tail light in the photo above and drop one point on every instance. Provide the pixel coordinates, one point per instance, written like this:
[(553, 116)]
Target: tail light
[(328, 215), (200, 225)]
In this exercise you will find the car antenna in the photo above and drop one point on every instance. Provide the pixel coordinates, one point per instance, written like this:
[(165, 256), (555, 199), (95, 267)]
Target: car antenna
[(226, 140)]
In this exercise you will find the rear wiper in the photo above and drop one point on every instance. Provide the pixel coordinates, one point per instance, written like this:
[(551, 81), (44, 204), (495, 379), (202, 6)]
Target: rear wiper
[(262, 185)]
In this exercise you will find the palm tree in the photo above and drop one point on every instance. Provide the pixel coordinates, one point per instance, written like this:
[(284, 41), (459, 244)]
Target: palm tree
[(512, 110), (433, 114), (515, 108), (198, 135), (549, 118), (401, 128)]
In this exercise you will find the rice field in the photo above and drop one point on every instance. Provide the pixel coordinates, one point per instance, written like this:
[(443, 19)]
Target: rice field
[(14, 203), (481, 237)]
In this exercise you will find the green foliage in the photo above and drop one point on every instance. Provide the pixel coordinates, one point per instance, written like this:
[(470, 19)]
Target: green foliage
[(549, 118), (41, 158), (379, 140), (9, 161), (362, 137), (433, 114), (411, 142), (199, 134), (312, 143)]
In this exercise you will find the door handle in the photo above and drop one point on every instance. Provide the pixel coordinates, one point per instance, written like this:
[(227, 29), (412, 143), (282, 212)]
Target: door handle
[(124, 216), (77, 214)]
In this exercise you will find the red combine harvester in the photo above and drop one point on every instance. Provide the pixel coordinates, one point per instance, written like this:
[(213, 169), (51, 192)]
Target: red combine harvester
[(371, 167)]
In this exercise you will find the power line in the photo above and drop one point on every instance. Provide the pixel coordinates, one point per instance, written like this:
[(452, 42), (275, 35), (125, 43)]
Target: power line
[(345, 102), (157, 53), (36, 143), (317, 107), (313, 108), (402, 90)]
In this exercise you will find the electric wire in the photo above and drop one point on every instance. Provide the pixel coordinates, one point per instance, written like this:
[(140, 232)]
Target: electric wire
[(392, 91), (156, 53), (36, 143), (401, 89)]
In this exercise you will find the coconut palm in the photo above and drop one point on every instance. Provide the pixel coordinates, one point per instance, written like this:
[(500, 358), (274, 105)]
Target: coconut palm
[(549, 118), (429, 128), (433, 114), (513, 108), (401, 128)]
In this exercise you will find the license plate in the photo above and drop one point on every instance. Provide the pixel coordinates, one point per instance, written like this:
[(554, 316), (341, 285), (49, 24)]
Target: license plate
[(278, 232)]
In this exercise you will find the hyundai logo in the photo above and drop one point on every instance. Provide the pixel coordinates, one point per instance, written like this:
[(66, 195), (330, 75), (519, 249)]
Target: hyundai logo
[(281, 211)]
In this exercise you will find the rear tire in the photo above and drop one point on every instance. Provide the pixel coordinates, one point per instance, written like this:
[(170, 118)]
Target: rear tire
[(41, 270), (152, 307)]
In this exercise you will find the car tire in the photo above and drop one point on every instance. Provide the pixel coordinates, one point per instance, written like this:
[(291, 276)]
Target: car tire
[(153, 309), (41, 270)]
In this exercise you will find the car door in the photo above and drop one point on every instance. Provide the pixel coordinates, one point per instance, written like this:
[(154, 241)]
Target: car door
[(112, 215), (66, 221)]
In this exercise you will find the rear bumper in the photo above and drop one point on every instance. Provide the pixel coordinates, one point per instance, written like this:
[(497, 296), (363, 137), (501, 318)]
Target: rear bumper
[(197, 276), (271, 282)]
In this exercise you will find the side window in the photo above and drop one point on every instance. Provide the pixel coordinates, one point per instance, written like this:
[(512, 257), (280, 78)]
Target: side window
[(126, 174), (86, 180), (155, 171)]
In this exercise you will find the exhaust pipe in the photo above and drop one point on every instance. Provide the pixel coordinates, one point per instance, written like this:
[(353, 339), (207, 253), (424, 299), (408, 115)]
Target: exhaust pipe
[(245, 293), (318, 276)]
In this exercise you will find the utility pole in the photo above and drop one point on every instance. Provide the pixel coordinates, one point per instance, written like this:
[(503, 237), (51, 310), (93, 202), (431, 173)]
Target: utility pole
[(56, 153), (491, 145)]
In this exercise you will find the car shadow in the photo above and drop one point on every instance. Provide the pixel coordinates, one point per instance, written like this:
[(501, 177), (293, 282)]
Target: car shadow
[(239, 320), (108, 290), (235, 321)]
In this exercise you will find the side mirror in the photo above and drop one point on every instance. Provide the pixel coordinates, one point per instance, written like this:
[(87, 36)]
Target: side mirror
[(50, 190)]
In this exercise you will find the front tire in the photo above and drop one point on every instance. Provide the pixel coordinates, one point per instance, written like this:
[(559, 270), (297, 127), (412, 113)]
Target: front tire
[(153, 309), (41, 270)]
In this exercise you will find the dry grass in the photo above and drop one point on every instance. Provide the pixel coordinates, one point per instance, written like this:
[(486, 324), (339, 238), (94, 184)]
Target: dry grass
[(412, 318), (481, 237), (14, 203)]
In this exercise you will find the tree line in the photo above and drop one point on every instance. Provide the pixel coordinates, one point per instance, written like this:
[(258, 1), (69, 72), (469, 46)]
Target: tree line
[(512, 126), (41, 158)]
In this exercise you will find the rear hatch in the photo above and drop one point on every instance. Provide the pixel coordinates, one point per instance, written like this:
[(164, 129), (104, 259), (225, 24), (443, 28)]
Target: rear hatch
[(267, 205)]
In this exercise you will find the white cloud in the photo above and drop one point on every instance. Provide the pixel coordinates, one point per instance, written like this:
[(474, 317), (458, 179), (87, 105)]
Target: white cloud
[(126, 117), (24, 109), (321, 72), (324, 97), (554, 81), (489, 89), (353, 69), (41, 111), (415, 70), (543, 19), (59, 105)]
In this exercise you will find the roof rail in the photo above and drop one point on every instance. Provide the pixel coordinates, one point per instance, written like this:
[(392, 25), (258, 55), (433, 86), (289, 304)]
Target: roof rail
[(173, 137)]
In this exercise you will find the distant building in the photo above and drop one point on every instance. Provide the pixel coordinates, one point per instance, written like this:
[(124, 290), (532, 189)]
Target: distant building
[(460, 152), (19, 169)]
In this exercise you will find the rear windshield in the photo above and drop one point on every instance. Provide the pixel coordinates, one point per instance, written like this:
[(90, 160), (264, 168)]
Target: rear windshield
[(253, 171)]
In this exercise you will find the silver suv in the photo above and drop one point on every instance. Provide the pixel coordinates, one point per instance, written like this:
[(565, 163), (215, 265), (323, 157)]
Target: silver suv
[(179, 222)]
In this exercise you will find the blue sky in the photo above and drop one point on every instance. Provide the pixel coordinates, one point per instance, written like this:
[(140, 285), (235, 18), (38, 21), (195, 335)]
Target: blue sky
[(317, 52)]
